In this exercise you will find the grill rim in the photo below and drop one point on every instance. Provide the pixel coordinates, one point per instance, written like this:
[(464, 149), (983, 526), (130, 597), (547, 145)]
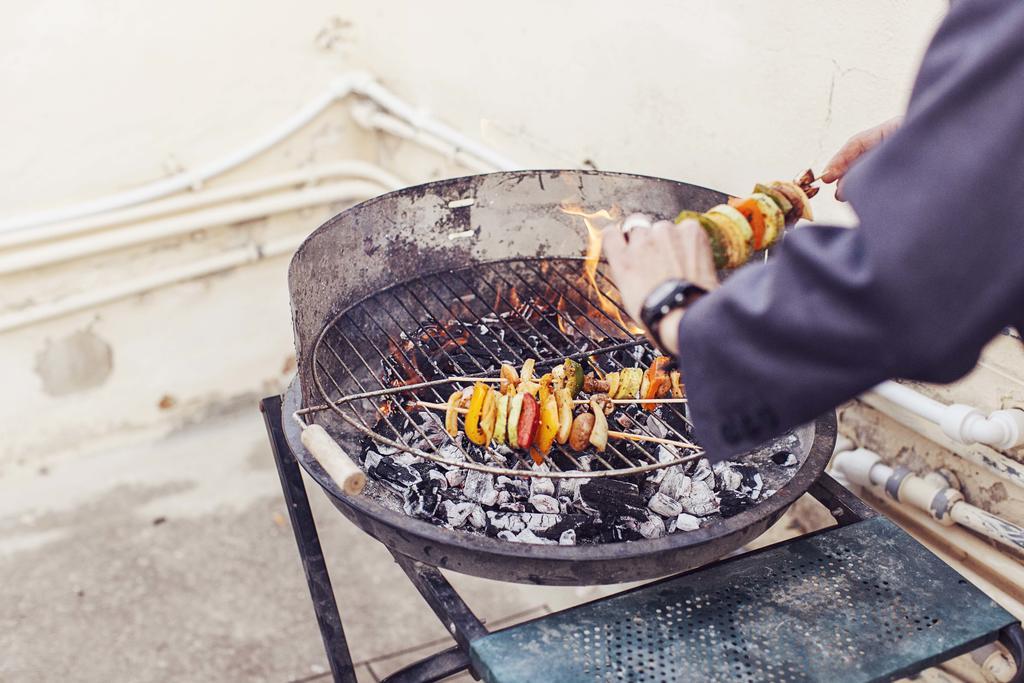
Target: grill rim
[(427, 542)]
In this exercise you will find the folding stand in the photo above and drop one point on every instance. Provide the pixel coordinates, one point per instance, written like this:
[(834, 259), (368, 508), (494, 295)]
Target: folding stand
[(860, 601)]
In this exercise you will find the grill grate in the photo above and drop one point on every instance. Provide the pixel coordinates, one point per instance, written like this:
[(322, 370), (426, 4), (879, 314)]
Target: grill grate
[(466, 322)]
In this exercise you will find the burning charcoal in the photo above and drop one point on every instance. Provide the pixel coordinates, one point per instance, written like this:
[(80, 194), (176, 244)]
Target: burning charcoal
[(654, 527), (507, 535), (569, 487), (458, 513), (517, 487), (407, 459), (656, 426), (585, 462), (540, 486), (455, 476), (542, 503), (423, 499), (664, 506), (614, 498), (451, 452), (477, 517), (701, 500), (509, 504), (784, 458), (479, 486), (527, 536), (733, 503), (581, 525), (505, 521), (536, 521), (675, 484), (685, 522), (568, 537), (394, 476), (729, 478), (702, 471), (371, 459), (616, 534)]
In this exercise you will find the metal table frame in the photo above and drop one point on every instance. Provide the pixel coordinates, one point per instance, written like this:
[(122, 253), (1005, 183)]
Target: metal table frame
[(450, 608)]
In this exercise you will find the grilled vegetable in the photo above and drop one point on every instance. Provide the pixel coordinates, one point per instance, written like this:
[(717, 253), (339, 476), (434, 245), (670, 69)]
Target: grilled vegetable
[(451, 414), (579, 435), (629, 383), (573, 376), (797, 197), (530, 387), (774, 220), (564, 400), (599, 434), (488, 420), (678, 388), (605, 401), (780, 199), (529, 421), (548, 428), (656, 382), (593, 385), (558, 377), (751, 210), (509, 377), (515, 409), (740, 233), (526, 374), (501, 421), (474, 429), (613, 383), (719, 244), (546, 381)]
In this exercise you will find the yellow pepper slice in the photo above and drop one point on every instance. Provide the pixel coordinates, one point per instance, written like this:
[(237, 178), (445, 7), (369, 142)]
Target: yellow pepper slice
[(563, 397), (548, 424), (474, 430), (451, 415)]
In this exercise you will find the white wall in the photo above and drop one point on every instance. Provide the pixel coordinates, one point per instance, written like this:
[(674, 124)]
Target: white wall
[(104, 96)]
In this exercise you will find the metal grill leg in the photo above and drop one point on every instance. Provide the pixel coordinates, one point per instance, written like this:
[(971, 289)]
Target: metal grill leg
[(310, 552)]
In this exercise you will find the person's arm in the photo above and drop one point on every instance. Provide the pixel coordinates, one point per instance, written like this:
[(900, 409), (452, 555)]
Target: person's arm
[(934, 271)]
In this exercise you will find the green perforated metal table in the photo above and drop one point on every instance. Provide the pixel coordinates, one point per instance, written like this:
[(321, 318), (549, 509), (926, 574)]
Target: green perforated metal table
[(860, 601)]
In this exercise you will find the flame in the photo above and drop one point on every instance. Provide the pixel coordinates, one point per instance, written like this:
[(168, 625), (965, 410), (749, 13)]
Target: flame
[(608, 298)]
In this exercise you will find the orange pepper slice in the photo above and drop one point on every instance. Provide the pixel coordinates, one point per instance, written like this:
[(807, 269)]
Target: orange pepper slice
[(752, 212)]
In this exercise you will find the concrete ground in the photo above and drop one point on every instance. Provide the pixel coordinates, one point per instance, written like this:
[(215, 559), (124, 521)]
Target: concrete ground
[(174, 561)]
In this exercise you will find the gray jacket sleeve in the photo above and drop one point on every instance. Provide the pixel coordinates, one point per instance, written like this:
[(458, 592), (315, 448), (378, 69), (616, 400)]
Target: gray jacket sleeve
[(934, 270)]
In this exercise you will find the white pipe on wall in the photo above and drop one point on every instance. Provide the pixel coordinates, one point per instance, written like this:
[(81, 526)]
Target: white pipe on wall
[(348, 168), (354, 83), (965, 424), (87, 245)]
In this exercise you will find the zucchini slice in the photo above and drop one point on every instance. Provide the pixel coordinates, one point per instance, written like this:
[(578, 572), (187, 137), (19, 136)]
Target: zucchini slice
[(719, 245)]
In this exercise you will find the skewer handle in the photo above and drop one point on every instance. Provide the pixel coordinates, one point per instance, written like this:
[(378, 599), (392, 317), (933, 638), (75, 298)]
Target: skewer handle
[(336, 462)]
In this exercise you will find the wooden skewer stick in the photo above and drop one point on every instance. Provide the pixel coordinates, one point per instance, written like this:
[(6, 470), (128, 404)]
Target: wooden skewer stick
[(617, 435)]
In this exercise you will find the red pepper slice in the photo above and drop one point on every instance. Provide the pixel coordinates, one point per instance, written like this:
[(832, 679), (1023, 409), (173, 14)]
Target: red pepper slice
[(529, 419)]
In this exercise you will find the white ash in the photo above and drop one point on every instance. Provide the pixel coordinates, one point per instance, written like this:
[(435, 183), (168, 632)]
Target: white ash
[(458, 513), (654, 527), (568, 537), (675, 484), (479, 486), (537, 521), (456, 477), (685, 522), (442, 480), (542, 503), (525, 536), (541, 486), (664, 505), (506, 521), (701, 500), (568, 487), (586, 462), (477, 517)]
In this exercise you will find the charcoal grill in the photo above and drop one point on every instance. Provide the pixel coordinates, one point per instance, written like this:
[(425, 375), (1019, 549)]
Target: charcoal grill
[(373, 275)]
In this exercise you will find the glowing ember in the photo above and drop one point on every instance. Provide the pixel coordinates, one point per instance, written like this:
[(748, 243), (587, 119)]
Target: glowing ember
[(596, 223)]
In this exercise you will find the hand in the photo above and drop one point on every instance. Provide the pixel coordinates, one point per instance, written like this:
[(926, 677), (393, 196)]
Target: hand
[(855, 148), (652, 255)]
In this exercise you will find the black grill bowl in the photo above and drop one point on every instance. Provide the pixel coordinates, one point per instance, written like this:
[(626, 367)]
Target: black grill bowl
[(406, 233)]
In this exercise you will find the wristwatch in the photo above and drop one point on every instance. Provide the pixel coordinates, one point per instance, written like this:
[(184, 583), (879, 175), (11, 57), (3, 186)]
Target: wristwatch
[(666, 297)]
